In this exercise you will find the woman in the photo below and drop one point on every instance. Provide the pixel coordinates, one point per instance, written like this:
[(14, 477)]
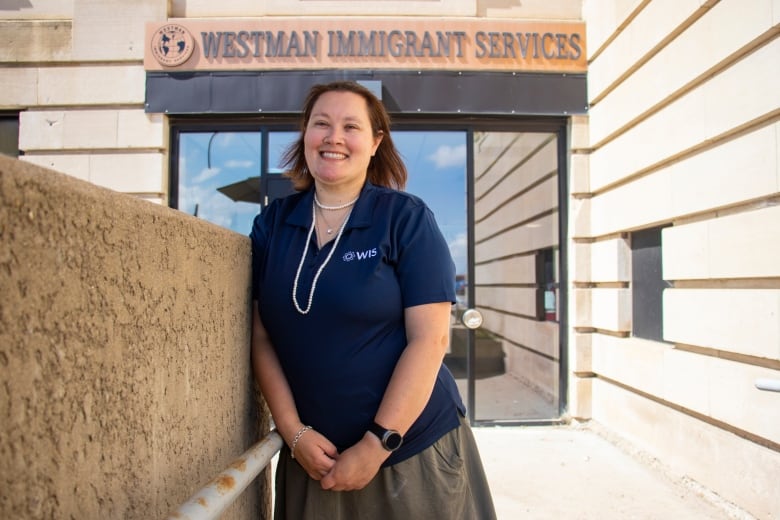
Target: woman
[(353, 284)]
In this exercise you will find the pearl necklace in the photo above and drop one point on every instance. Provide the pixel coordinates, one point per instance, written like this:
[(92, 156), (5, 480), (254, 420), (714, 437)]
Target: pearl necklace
[(327, 259), (334, 208)]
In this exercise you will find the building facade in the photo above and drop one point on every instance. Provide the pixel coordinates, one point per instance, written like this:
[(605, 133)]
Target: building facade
[(607, 173)]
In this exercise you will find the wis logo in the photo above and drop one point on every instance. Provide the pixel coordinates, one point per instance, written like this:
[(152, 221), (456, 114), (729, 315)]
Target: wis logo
[(359, 255)]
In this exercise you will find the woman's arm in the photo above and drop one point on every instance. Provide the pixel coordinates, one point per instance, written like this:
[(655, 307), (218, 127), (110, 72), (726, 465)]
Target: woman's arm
[(314, 452), (410, 388)]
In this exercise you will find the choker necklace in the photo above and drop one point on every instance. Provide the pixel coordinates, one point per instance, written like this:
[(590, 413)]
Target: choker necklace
[(303, 258), (334, 208)]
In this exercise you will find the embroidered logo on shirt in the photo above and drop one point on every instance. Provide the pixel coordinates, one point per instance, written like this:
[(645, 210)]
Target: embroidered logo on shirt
[(359, 255)]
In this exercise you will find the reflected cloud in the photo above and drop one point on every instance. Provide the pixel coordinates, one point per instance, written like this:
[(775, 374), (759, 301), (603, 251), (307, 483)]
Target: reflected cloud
[(205, 174), (239, 164), (447, 156)]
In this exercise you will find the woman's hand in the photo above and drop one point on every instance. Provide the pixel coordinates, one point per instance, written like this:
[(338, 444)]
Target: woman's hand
[(356, 466), (316, 454)]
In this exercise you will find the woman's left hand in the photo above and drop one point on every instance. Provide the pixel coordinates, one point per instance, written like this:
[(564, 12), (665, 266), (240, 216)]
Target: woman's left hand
[(356, 466)]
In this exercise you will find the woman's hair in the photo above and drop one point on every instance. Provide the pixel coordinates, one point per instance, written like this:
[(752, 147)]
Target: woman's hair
[(386, 168)]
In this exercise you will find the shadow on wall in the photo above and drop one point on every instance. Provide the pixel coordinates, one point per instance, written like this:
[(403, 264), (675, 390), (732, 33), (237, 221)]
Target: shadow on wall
[(124, 352)]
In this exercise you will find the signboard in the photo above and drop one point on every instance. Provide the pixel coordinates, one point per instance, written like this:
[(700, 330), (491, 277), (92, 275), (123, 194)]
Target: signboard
[(365, 43)]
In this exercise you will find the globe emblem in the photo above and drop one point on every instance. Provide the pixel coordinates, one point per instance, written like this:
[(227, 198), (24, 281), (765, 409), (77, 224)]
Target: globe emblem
[(172, 45)]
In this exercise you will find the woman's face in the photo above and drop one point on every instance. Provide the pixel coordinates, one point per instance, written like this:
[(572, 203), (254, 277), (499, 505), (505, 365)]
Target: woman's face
[(339, 141)]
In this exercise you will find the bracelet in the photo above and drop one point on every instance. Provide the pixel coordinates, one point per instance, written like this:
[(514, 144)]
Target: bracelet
[(297, 438)]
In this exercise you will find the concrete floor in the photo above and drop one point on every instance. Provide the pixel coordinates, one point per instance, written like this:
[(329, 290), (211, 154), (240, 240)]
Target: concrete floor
[(574, 473)]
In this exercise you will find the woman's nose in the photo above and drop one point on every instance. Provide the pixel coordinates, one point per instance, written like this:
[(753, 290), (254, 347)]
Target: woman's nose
[(333, 136)]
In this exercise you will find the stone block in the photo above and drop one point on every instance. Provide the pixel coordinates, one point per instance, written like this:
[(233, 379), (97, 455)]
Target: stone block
[(741, 245), (91, 85), (27, 41), (743, 321)]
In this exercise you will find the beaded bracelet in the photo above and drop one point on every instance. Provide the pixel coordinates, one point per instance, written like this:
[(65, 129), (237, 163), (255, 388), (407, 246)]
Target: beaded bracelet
[(297, 438)]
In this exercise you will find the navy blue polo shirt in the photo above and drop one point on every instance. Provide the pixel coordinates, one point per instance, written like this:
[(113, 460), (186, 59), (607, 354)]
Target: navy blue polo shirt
[(338, 358)]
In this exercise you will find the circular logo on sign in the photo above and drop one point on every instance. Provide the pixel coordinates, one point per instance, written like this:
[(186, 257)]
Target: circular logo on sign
[(172, 45)]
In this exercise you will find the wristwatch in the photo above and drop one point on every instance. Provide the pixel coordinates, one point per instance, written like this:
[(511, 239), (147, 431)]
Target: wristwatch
[(391, 439)]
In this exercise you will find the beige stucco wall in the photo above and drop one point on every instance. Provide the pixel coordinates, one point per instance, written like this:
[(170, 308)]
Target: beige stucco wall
[(124, 352)]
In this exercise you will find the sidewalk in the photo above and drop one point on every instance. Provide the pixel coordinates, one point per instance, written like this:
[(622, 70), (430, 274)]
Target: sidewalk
[(573, 473)]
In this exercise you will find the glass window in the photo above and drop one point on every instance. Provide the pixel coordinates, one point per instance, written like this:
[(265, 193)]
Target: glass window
[(436, 162), (219, 177), (647, 284), (9, 134), (547, 285)]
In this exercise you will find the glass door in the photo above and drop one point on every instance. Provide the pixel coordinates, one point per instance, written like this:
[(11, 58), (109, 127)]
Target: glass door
[(495, 197), (516, 233)]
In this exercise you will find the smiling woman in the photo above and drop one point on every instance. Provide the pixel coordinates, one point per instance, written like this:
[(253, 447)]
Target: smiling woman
[(349, 338)]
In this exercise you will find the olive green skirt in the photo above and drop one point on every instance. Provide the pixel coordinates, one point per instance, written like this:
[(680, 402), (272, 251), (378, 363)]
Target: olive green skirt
[(445, 481)]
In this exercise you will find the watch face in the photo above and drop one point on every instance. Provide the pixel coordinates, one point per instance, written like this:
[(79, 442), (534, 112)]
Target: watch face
[(392, 440)]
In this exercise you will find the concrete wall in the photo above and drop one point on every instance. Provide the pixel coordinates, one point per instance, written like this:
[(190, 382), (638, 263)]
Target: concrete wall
[(124, 352), (684, 132)]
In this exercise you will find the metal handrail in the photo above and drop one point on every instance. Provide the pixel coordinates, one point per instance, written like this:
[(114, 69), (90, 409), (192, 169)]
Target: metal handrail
[(770, 385), (212, 500)]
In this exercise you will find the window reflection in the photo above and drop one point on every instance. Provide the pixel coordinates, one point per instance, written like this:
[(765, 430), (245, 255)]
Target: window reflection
[(436, 162), (211, 160)]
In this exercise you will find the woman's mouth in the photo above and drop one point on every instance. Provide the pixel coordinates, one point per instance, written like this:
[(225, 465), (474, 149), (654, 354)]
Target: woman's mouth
[(332, 155)]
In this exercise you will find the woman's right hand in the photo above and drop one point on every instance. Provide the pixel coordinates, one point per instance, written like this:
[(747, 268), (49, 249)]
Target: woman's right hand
[(316, 454)]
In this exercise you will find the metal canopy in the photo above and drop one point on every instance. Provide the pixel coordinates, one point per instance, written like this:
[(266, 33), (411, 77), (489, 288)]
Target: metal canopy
[(403, 92)]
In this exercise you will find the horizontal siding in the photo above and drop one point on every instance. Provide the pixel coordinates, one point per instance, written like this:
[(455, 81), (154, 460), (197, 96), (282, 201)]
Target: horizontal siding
[(515, 270), (610, 261), (18, 87), (744, 245), (141, 173), (685, 59), (720, 389), (605, 18), (26, 41), (516, 161), (113, 29), (603, 308), (694, 119), (522, 239), (696, 184), (84, 85), (517, 300), (739, 471), (744, 321), (647, 30), (540, 337), (91, 129), (528, 206)]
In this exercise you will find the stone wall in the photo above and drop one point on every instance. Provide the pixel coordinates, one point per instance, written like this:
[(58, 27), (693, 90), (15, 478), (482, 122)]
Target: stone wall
[(124, 352)]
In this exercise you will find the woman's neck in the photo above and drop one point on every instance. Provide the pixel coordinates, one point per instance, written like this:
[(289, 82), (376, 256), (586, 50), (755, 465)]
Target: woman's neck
[(333, 196)]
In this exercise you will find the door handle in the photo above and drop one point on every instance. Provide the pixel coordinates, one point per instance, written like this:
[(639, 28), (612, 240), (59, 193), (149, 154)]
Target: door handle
[(770, 385), (471, 318)]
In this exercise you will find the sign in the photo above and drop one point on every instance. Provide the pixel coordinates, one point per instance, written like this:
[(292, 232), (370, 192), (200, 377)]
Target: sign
[(365, 43)]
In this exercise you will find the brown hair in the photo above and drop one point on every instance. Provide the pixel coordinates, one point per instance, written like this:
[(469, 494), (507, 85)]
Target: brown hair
[(386, 167)]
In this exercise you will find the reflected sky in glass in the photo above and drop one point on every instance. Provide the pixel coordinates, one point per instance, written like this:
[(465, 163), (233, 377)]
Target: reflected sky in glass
[(209, 160)]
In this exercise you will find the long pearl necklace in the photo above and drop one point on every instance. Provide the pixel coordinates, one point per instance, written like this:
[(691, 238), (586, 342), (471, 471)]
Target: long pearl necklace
[(327, 259)]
